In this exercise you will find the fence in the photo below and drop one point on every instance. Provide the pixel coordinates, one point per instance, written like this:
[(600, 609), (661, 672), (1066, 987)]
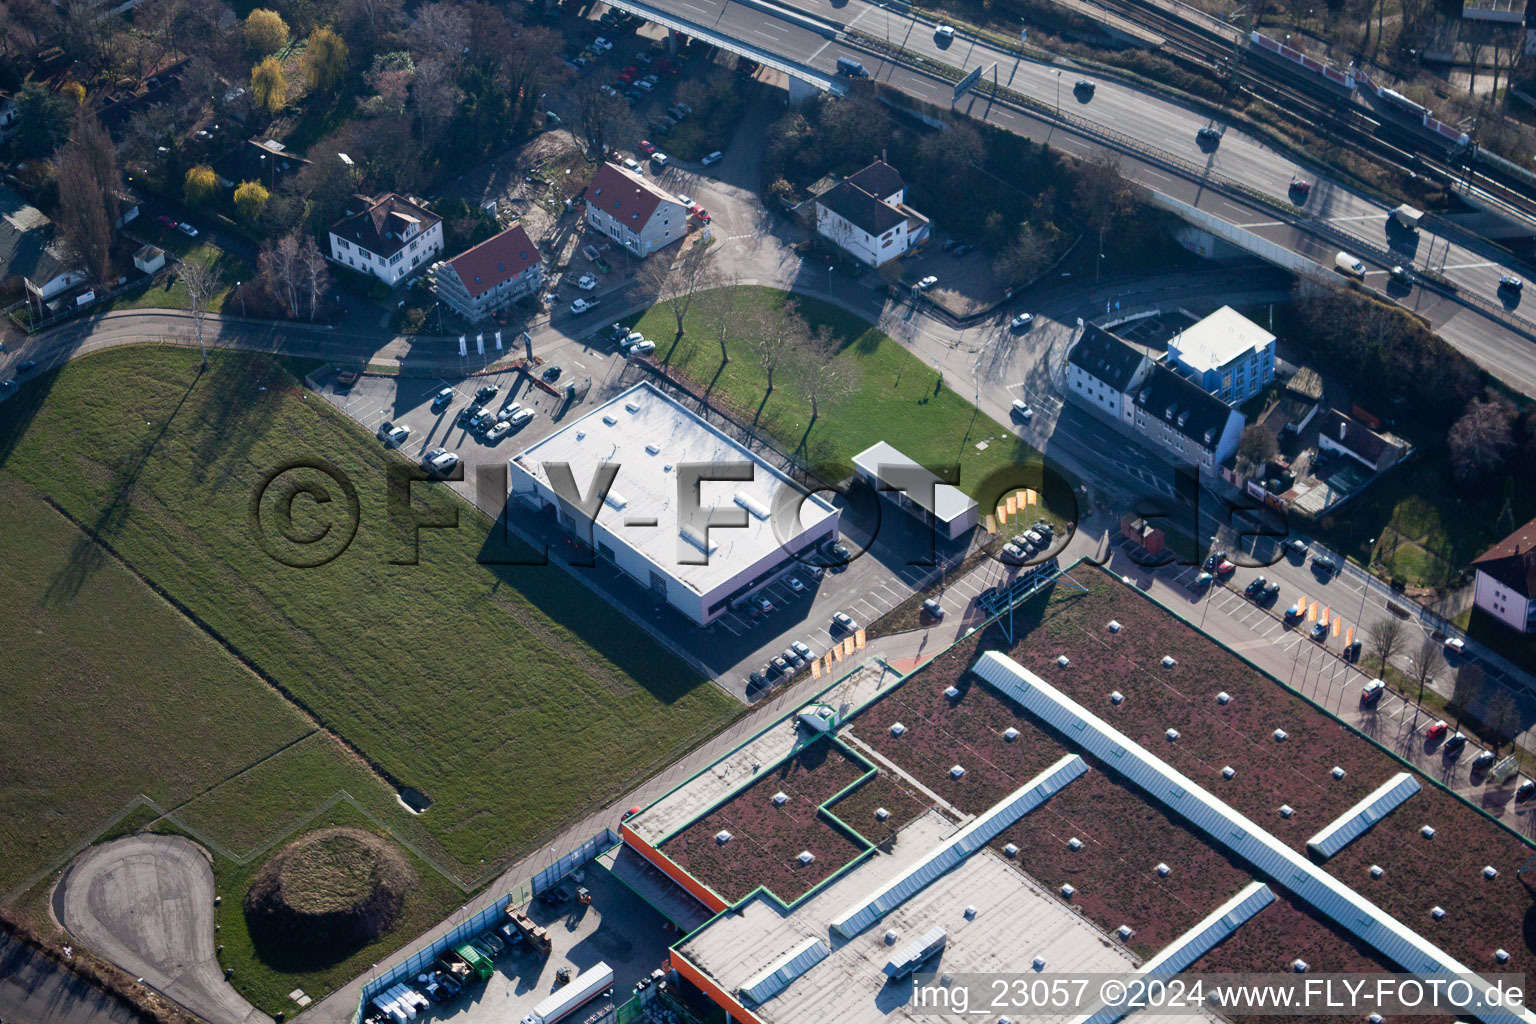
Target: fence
[(481, 921)]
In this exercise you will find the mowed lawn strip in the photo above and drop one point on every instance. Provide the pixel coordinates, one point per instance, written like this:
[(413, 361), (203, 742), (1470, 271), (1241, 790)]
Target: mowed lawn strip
[(508, 695), (896, 400), (767, 839), (109, 693)]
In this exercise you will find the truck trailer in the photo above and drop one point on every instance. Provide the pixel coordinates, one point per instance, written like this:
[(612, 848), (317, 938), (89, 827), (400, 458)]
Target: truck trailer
[(1408, 217), (589, 983)]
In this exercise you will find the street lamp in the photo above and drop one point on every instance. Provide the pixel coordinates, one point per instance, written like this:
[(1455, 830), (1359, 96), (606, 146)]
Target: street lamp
[(242, 296), (1058, 93)]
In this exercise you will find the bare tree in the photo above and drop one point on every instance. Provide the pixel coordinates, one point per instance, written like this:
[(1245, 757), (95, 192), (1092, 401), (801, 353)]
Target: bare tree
[(1256, 447), (435, 93), (720, 309), (679, 282), (1502, 718), (827, 375), (1465, 689), (775, 337), (1386, 637), (278, 266), (601, 119), (1103, 195), (1026, 256), (1425, 663), (1481, 440), (314, 275), (440, 29), (202, 283), (87, 177)]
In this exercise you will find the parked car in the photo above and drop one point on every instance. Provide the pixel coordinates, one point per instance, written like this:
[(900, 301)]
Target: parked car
[(586, 282), (187, 229), (1525, 789), (580, 306), (944, 33), (442, 398), (843, 622), (633, 164), (1021, 321), (486, 392), (166, 222), (1255, 586), (779, 667), (1203, 580), (602, 44), (26, 366), (1437, 730), (1352, 651), (643, 347), (757, 680), (928, 282), (795, 584), (1319, 632), (792, 656), (1455, 645), (1371, 692), (1225, 568), (1484, 761), (497, 432), (440, 461), (1454, 745), (713, 158), (1022, 411), (521, 418), (763, 604), (647, 147), (394, 436), (552, 373), (933, 609), (659, 159), (803, 650)]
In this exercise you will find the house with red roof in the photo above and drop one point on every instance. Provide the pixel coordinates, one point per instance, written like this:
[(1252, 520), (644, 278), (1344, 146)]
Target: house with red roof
[(491, 276), (630, 210), (1506, 580)]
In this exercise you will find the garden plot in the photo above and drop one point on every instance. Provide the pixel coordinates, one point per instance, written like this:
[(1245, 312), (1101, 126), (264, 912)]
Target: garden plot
[(967, 730), (1418, 874), (1282, 933), (860, 809), (1297, 773), (1123, 839), (767, 836)]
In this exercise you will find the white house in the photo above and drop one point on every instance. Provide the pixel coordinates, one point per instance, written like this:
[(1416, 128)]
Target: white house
[(1184, 420), (1344, 435), (491, 276), (149, 258), (389, 237), (31, 252), (633, 212), (866, 216), (1105, 372), (698, 545), (1506, 580), (1226, 354)]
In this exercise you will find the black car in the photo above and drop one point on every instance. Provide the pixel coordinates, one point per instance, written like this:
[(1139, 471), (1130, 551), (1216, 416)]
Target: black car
[(1484, 761), (26, 366), (1352, 652), (1208, 136), (1454, 745), (486, 393), (468, 413), (1256, 587), (1319, 632), (553, 373), (757, 680), (1271, 591)]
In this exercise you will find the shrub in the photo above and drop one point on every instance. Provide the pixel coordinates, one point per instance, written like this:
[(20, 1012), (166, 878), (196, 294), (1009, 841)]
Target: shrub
[(199, 185), (265, 31), (250, 199)]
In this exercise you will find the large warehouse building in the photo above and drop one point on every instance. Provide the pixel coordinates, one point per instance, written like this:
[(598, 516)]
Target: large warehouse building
[(699, 544)]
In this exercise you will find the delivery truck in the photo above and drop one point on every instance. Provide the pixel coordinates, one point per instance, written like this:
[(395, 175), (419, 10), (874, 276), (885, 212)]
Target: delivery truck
[(1407, 216), (591, 982)]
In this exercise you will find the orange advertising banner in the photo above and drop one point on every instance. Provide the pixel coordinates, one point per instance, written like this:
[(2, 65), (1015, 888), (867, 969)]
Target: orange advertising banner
[(1349, 637), (858, 639), (816, 669), (848, 646), (1312, 612), (1337, 623), (1013, 503)]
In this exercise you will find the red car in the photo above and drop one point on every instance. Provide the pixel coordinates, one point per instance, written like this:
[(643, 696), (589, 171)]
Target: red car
[(1301, 186), (630, 70), (699, 212), (1225, 568), (646, 147), (166, 222), (626, 76), (1437, 730), (631, 813)]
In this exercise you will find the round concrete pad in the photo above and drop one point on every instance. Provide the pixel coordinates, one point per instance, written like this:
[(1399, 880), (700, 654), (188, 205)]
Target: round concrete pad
[(146, 903)]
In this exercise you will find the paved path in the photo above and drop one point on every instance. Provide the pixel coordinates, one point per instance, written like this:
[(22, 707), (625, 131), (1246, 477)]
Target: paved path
[(35, 989), (145, 902)]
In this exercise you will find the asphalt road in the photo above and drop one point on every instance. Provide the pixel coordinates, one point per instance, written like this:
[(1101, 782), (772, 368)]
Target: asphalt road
[(36, 990), (145, 902)]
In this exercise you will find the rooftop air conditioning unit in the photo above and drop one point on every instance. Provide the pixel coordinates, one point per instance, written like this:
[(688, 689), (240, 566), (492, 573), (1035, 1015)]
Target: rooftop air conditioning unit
[(956, 772), (1338, 772), (1223, 698), (1228, 772), (1114, 627), (722, 837), (1115, 697), (1376, 871), (1010, 734), (1437, 912), (780, 799)]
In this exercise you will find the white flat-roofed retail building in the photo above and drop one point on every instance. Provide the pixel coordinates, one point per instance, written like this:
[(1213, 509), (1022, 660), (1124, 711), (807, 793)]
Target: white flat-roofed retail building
[(947, 508), (688, 556)]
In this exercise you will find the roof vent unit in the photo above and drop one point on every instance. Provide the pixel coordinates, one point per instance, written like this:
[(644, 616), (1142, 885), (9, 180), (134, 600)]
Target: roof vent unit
[(1428, 831), (722, 837), (1039, 964), (695, 537), (1228, 772), (881, 814), (1168, 661), (1063, 661), (911, 956), (890, 937), (653, 449), (1437, 912), (806, 856), (1125, 932), (1375, 1018), (956, 771), (1010, 850), (632, 407), (1067, 891), (1338, 772), (615, 500), (1490, 872), (1010, 734), (898, 729), (1074, 843), (951, 692), (581, 435), (1286, 810), (610, 419), (1116, 697), (780, 799), (1223, 698), (1299, 966), (1376, 871), (1171, 734), (1501, 956), (1114, 627), (1281, 736), (1163, 870), (970, 913), (752, 505)]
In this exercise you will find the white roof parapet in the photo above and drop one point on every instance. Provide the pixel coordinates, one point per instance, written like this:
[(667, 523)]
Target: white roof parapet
[(1356, 821), (958, 847), (1228, 829), (775, 978), (1195, 943)]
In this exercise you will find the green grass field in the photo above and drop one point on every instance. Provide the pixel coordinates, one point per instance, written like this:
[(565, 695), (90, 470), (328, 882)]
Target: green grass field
[(168, 291), (897, 400), (507, 695)]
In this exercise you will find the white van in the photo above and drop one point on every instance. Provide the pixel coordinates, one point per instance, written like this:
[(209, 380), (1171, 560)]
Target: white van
[(1348, 265), (713, 158)]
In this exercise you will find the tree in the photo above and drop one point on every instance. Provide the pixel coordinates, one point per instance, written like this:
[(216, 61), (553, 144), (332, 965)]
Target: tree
[(369, 22), (774, 337), (1503, 718), (201, 284), (265, 31), (74, 92), (87, 176), (1386, 637), (1465, 688), (827, 375), (1482, 439), (677, 283), (325, 59), (1102, 195), (269, 86), (199, 185), (720, 309), (250, 199), (1425, 663), (390, 79), (44, 120), (601, 119), (313, 273), (278, 269), (1024, 258), (435, 95), (1256, 448), (440, 29)]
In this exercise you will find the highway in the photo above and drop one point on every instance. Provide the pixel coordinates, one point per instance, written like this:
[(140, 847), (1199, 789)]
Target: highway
[(1153, 122)]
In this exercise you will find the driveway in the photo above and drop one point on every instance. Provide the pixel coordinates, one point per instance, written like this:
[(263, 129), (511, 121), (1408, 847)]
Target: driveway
[(145, 902)]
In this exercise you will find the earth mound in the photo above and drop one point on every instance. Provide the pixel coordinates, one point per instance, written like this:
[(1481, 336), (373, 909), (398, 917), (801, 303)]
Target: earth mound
[(335, 889)]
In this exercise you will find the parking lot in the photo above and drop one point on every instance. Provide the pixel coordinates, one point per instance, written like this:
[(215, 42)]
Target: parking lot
[(738, 643)]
